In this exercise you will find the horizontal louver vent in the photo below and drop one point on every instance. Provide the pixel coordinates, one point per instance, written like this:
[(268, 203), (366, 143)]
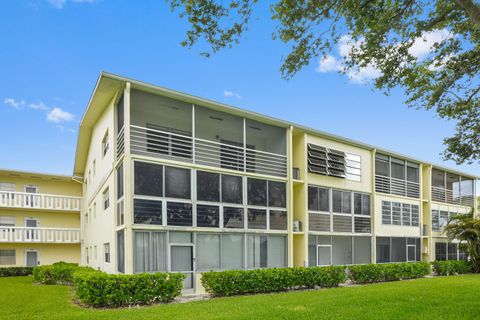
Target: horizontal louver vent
[(326, 161)]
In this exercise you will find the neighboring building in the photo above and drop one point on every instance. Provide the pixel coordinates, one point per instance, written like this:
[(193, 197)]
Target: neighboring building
[(39, 218), (173, 182)]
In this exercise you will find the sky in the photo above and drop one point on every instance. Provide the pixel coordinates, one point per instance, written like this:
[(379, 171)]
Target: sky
[(52, 52)]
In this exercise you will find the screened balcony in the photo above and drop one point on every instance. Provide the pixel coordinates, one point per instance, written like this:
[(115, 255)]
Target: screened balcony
[(396, 176), (451, 188), (166, 128)]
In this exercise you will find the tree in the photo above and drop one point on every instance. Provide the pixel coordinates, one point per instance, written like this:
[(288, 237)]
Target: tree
[(382, 35), (466, 228)]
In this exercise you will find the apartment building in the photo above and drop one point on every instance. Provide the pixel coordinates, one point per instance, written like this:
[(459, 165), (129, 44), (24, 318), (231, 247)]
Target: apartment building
[(173, 182), (39, 218)]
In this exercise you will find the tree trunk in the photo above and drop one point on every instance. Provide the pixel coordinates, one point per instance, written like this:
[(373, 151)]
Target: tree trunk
[(472, 9)]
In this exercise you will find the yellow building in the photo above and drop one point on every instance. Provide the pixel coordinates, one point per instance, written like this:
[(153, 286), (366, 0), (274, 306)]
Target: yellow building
[(39, 218), (173, 182)]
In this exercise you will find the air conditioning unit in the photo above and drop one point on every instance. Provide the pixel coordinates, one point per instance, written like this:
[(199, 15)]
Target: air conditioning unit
[(297, 226)]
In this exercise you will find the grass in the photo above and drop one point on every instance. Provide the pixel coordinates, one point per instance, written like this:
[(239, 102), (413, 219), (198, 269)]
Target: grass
[(454, 297)]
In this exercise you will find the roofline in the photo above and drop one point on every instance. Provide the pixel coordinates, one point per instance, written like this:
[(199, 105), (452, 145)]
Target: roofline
[(41, 174), (273, 120)]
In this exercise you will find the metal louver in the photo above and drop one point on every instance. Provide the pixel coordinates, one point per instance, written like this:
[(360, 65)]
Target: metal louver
[(326, 161)]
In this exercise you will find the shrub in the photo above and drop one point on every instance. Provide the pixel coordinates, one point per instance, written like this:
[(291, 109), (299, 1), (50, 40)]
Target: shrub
[(15, 271), (237, 282), (57, 273), (99, 289), (368, 273), (446, 268)]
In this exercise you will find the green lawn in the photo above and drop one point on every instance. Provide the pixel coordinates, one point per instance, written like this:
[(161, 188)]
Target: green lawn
[(434, 298)]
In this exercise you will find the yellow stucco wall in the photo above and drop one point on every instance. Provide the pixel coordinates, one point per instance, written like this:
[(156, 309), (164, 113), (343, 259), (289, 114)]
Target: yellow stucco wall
[(47, 253)]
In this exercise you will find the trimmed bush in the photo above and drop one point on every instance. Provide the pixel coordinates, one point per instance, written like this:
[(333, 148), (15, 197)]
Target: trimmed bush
[(15, 271), (57, 273), (238, 282), (451, 267), (368, 273), (99, 289)]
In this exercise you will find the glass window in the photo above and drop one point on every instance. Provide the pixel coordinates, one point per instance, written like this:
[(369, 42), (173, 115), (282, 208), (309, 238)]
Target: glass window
[(7, 257), (120, 251), (440, 251), (208, 186), (412, 172), (257, 251), (120, 181), (406, 214), (276, 252), (415, 216), (438, 178), (466, 187), (179, 214), (106, 199), (324, 201), (120, 114), (232, 191), (313, 199), (398, 169), (383, 249), (106, 252), (147, 211), (208, 252), (341, 250), (232, 252), (396, 213), (399, 250), (208, 216), (443, 221), (233, 217), (435, 220), (278, 220), (257, 218), (150, 254), (362, 250), (362, 225), (361, 204), (177, 183), (386, 212), (453, 183), (277, 194), (382, 165), (257, 192), (148, 179), (341, 201), (452, 251)]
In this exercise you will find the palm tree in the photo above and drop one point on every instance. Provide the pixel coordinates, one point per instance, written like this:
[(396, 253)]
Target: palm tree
[(466, 229)]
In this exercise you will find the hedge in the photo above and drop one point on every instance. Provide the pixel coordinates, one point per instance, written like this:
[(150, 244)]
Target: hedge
[(368, 273), (99, 289), (238, 282), (451, 267), (15, 271), (57, 273)]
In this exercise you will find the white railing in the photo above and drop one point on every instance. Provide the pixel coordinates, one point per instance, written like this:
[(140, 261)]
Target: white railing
[(157, 143), (39, 201), (449, 196), (40, 235), (397, 186), (120, 143)]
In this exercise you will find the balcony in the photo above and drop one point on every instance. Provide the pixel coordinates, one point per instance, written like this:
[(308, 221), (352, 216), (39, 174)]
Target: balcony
[(24, 200), (182, 147), (452, 197), (39, 235), (398, 187)]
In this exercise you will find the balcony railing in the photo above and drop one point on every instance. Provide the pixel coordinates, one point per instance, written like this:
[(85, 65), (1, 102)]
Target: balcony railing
[(449, 196), (39, 235), (39, 201), (120, 143), (397, 186), (164, 144)]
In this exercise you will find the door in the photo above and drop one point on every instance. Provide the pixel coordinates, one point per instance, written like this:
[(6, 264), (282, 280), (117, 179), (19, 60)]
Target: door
[(31, 258), (181, 260), (31, 197), (31, 231), (411, 253)]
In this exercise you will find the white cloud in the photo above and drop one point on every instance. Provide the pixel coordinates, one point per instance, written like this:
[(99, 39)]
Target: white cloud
[(38, 106), (230, 94), (57, 115), (59, 4), (13, 103), (424, 44), (328, 64)]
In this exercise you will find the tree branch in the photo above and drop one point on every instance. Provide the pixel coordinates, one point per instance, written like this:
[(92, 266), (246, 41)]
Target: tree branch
[(472, 9)]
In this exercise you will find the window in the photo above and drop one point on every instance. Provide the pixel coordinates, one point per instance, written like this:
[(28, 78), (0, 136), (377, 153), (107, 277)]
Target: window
[(233, 217), (232, 190), (120, 114), (386, 212), (401, 214), (177, 183), (105, 144), (435, 220), (412, 172), (278, 220), (7, 257), (257, 218), (232, 252), (150, 251), (406, 175), (148, 179), (342, 253), (338, 250), (208, 216), (120, 182), (361, 204), (208, 186), (382, 165), (94, 167), (120, 251), (7, 221), (179, 214), (330, 162), (257, 192), (266, 251), (443, 220), (95, 252), (440, 251), (341, 201), (106, 199), (398, 249), (318, 199), (398, 168), (208, 252), (147, 211), (94, 210), (277, 194), (106, 252)]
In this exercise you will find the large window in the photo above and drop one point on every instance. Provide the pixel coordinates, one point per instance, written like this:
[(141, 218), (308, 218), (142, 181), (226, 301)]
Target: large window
[(440, 219), (398, 249), (266, 251), (208, 186), (450, 251), (268, 204), (349, 211), (148, 179), (401, 214), (177, 183), (150, 254), (7, 257), (232, 189), (396, 176), (338, 250), (146, 211)]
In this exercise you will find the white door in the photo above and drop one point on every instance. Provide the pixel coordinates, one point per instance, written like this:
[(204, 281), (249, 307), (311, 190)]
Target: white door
[(181, 260), (31, 232), (32, 199), (31, 258)]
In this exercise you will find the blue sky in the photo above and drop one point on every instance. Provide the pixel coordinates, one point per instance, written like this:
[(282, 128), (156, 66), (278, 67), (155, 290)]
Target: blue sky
[(52, 53)]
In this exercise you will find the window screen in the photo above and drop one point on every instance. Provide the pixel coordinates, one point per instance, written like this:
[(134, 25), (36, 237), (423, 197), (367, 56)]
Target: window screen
[(208, 186), (148, 179), (177, 183)]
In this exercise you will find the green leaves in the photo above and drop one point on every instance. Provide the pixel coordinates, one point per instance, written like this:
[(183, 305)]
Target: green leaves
[(369, 273), (452, 267), (15, 271)]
